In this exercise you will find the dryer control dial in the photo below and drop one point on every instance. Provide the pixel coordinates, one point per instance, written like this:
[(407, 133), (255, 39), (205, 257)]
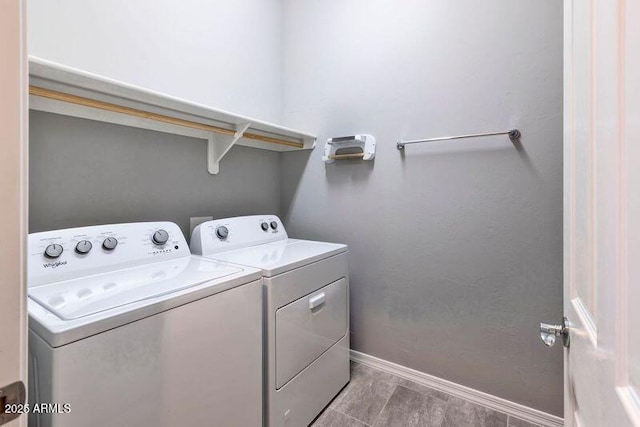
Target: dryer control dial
[(274, 225), (222, 232), (110, 243), (160, 237), (264, 226)]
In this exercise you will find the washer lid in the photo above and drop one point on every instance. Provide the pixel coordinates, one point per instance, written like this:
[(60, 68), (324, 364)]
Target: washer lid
[(281, 256), (73, 299)]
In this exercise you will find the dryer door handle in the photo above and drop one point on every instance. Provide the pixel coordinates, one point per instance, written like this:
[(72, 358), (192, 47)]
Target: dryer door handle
[(317, 301)]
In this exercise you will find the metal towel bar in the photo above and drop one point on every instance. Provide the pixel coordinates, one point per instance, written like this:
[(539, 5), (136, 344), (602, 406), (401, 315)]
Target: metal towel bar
[(514, 134)]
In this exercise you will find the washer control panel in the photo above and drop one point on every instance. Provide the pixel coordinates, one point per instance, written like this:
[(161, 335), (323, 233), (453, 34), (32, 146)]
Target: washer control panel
[(238, 232), (76, 252)]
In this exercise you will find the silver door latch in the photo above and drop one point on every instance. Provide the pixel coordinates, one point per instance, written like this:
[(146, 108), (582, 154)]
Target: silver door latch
[(12, 394), (549, 333)]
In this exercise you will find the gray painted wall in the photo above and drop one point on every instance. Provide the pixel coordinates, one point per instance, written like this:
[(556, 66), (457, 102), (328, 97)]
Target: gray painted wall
[(456, 247), (83, 172)]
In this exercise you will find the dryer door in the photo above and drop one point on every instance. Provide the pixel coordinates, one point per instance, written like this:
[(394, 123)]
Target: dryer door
[(307, 327)]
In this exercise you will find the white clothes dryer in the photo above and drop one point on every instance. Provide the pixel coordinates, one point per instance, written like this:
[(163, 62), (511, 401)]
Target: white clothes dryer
[(306, 310)]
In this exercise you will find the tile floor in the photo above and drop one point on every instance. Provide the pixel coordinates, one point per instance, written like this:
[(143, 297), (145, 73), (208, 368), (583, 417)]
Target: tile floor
[(375, 398)]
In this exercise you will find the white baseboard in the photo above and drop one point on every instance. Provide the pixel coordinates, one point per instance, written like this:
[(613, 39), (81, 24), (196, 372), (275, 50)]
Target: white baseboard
[(496, 403)]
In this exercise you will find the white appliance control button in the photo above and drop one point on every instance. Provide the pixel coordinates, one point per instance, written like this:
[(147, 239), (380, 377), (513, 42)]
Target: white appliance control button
[(160, 237), (274, 225), (83, 247), (264, 226), (222, 232), (110, 243), (54, 250)]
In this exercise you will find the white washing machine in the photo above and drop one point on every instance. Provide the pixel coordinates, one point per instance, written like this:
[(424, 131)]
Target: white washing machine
[(306, 311), (126, 328)]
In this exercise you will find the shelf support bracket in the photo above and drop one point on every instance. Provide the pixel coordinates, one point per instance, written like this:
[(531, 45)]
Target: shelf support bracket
[(219, 145)]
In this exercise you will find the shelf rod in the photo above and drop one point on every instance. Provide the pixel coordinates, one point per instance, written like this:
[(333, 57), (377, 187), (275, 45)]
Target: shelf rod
[(514, 135), (101, 105)]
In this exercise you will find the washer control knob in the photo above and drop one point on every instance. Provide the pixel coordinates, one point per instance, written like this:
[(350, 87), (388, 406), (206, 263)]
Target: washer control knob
[(222, 232), (264, 226), (160, 237), (110, 243), (54, 250), (83, 247), (274, 225)]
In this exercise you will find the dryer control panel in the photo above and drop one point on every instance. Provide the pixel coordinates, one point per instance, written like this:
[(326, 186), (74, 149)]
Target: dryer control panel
[(234, 233), (77, 252)]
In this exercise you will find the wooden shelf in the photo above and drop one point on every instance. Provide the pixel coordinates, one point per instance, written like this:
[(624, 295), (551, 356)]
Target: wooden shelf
[(59, 89)]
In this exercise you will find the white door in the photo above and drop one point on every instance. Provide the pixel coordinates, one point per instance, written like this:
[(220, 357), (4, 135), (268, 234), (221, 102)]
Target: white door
[(13, 202), (602, 212)]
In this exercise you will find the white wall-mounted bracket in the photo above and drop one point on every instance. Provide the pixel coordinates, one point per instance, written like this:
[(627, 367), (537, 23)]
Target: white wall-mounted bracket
[(219, 145), (361, 146)]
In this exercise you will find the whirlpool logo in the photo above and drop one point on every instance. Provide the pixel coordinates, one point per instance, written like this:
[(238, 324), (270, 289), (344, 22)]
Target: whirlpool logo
[(54, 264)]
